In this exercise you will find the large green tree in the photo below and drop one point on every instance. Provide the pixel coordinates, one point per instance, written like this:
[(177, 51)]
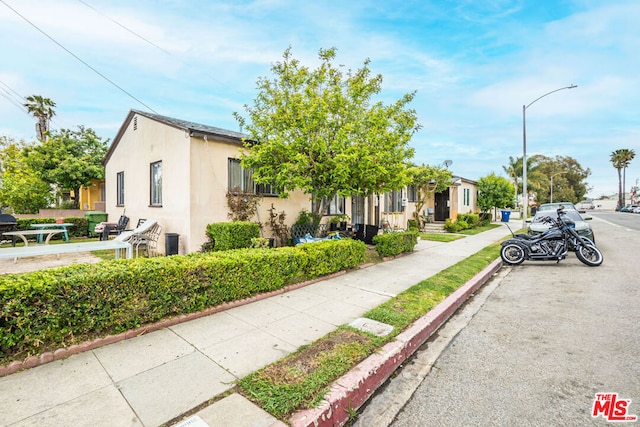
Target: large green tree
[(621, 159), (70, 159), (320, 130), (21, 189), (568, 176), (495, 192), (42, 109)]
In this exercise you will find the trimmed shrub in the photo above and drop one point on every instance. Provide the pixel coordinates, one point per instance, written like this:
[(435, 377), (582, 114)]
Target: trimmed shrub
[(412, 224), (326, 257), (451, 226), (232, 235), (45, 310), (392, 244), (473, 220)]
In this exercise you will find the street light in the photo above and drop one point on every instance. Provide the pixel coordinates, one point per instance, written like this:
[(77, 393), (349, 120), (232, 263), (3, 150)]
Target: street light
[(525, 193), (555, 174)]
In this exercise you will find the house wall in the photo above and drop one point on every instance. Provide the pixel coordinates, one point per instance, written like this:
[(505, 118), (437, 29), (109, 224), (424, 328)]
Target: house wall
[(194, 182), (90, 195), (208, 189), (458, 205), (146, 141)]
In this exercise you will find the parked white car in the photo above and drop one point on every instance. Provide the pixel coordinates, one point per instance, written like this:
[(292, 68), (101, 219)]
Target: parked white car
[(582, 226)]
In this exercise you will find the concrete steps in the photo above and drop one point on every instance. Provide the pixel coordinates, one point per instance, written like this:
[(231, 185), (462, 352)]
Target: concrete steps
[(434, 227)]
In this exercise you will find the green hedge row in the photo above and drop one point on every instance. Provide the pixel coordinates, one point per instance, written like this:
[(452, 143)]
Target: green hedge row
[(79, 229), (50, 309), (232, 235), (392, 244)]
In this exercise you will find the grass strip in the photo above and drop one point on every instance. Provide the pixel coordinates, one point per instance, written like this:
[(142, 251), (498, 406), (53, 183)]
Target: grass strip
[(440, 237), (478, 230), (301, 379)]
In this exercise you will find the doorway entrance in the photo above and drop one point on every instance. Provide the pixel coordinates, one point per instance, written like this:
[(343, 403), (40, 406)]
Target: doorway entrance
[(441, 209)]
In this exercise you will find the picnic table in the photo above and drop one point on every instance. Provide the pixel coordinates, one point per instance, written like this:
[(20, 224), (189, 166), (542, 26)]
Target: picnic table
[(39, 233), (62, 226)]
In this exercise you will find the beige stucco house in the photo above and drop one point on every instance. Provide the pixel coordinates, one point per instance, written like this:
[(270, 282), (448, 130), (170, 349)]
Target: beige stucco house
[(178, 172)]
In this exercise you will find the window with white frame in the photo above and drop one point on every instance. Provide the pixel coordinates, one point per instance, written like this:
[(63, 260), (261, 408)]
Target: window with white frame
[(239, 178), (119, 189), (412, 193), (241, 181), (393, 201), (467, 197), (335, 206), (156, 184)]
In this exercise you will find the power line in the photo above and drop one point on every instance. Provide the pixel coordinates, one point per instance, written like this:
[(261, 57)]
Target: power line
[(11, 95), (156, 46), (77, 57)]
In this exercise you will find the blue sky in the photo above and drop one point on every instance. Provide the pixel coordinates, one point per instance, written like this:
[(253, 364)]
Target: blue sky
[(473, 63)]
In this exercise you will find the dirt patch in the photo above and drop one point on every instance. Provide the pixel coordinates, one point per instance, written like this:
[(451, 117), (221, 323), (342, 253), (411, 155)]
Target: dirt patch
[(24, 265), (293, 369)]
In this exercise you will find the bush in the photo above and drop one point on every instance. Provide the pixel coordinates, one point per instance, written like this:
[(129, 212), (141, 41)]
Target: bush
[(48, 309), (451, 226), (326, 257), (232, 235), (473, 220), (392, 244), (80, 226)]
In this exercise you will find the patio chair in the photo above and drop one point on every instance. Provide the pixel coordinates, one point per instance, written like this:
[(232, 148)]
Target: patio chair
[(146, 235), (114, 229), (148, 240)]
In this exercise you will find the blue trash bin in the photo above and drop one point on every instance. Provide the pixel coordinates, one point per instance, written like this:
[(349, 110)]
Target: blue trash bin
[(505, 216)]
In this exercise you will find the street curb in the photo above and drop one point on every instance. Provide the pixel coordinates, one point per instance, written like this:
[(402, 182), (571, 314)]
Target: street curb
[(354, 388)]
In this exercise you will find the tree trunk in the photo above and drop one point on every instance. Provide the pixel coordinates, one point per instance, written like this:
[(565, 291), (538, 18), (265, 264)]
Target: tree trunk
[(624, 184), (620, 201), (76, 198)]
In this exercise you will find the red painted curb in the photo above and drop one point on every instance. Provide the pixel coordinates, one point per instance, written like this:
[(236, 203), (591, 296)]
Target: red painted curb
[(354, 388)]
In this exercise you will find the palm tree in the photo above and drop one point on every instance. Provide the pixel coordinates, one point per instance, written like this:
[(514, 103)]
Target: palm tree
[(42, 109), (514, 171), (621, 159)]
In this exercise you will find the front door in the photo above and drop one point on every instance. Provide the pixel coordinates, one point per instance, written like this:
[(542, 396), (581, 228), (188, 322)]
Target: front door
[(441, 210)]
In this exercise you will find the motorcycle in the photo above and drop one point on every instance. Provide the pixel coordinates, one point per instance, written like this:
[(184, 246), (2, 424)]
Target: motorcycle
[(552, 245)]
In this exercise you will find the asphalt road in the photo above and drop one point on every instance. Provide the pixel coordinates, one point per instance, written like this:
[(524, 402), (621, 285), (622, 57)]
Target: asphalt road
[(535, 348)]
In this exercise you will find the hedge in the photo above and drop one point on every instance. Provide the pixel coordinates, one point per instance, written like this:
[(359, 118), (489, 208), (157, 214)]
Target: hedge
[(50, 309), (232, 235), (392, 244)]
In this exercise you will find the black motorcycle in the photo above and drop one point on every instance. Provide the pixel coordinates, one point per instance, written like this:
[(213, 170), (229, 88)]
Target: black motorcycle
[(552, 245)]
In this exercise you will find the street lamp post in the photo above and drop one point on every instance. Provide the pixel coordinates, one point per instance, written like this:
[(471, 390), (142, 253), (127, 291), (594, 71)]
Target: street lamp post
[(555, 174), (525, 193)]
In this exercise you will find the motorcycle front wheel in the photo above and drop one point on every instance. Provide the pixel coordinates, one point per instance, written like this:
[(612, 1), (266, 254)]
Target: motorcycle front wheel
[(512, 254), (589, 255)]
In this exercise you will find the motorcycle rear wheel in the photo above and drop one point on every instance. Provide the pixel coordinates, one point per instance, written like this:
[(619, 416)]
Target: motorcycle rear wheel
[(512, 254), (589, 255)]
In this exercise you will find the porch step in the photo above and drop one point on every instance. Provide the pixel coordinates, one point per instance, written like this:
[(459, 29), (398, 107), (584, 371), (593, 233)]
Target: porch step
[(434, 227)]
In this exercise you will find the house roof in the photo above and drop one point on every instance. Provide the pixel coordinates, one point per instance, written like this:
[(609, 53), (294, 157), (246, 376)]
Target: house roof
[(196, 130), (467, 180)]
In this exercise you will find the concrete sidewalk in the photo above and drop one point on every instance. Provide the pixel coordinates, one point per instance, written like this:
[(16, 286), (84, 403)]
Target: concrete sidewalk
[(154, 378)]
